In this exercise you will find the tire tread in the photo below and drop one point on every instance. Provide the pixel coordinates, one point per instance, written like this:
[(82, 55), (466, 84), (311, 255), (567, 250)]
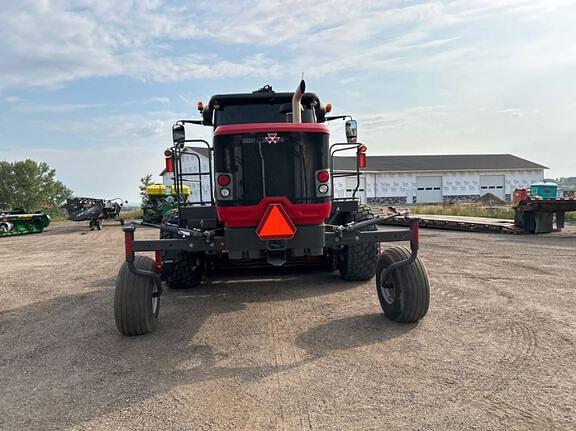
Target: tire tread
[(132, 305), (413, 283), (359, 261)]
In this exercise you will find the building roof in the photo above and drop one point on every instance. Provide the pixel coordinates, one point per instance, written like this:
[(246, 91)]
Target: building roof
[(202, 151), (448, 162)]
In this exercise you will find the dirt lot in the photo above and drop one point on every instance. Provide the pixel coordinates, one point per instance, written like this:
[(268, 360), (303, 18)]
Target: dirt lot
[(285, 350)]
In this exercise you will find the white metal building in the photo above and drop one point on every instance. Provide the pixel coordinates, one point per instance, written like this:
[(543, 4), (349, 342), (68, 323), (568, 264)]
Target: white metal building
[(437, 178)]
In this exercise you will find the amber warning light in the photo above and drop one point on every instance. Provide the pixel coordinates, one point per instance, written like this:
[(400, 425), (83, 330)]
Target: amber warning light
[(276, 224)]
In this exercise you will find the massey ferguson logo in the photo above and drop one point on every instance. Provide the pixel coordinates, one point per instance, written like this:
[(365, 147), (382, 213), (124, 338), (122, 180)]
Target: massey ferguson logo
[(272, 138)]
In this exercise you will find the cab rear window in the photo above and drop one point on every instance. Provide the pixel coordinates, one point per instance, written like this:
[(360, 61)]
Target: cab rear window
[(257, 113)]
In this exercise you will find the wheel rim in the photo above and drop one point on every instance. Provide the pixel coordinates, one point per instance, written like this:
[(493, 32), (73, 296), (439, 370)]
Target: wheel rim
[(154, 299), (387, 290)]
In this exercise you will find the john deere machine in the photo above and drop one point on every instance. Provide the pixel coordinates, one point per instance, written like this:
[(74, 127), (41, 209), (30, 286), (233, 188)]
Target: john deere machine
[(19, 222), (271, 175), (158, 202)]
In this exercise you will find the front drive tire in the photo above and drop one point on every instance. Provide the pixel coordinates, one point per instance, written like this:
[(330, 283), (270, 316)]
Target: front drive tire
[(405, 296), (185, 272), (358, 262), (136, 299)]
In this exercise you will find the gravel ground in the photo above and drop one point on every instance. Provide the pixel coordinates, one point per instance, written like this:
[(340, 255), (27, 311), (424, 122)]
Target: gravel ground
[(291, 350)]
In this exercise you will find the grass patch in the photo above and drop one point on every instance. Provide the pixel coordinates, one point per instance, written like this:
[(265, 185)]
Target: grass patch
[(503, 212), (58, 218), (570, 216), (132, 214)]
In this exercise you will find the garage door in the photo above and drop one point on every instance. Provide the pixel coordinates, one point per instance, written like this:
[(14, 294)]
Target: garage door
[(428, 190), (492, 184)]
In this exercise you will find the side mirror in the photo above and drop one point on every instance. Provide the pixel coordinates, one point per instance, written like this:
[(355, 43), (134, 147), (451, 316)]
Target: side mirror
[(178, 133), (351, 128)]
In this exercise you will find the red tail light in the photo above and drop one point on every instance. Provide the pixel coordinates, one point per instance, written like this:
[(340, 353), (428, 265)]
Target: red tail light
[(362, 160), (323, 176), (223, 180)]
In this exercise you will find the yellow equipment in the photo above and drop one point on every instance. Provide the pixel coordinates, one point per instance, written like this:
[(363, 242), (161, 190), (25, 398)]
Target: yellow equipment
[(185, 190), (156, 190)]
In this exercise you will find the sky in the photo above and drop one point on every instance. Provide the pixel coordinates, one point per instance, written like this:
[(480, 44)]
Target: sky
[(93, 86)]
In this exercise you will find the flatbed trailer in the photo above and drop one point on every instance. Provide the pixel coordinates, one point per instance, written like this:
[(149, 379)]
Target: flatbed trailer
[(467, 224), (531, 216), (542, 215)]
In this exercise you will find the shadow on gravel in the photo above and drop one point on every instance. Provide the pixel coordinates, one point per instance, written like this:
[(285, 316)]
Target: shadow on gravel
[(351, 332), (77, 228), (67, 229), (63, 363)]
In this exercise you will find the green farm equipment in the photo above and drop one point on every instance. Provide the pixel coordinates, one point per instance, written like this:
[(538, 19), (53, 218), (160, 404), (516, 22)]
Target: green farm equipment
[(158, 202), (19, 222)]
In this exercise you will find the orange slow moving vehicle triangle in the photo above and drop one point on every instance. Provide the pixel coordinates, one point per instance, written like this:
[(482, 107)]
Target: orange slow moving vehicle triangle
[(276, 224)]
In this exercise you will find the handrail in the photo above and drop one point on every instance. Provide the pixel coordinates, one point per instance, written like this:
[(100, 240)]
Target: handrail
[(357, 173)]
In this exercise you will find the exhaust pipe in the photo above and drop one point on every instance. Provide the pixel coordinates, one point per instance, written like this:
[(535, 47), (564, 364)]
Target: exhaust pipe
[(296, 107)]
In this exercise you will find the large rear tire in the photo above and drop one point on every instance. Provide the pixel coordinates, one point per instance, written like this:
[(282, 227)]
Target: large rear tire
[(136, 299), (358, 262), (405, 296)]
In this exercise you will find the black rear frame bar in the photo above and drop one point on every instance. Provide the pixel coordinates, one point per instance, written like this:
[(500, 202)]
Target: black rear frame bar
[(335, 236)]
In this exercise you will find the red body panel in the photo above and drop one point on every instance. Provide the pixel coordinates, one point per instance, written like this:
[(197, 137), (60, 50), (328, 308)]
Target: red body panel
[(235, 129), (250, 215)]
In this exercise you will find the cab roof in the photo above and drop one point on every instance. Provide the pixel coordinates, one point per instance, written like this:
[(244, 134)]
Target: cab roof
[(265, 95)]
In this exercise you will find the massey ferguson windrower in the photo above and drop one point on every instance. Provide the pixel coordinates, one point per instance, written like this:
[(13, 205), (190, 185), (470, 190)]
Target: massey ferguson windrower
[(271, 203)]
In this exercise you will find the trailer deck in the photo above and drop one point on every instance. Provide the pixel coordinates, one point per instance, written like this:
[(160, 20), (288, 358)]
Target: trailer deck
[(468, 224)]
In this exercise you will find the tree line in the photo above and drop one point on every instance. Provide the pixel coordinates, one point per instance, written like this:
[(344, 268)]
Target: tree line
[(31, 186)]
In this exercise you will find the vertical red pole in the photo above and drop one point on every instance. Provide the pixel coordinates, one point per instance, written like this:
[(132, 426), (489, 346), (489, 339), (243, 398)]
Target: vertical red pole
[(415, 234), (128, 239), (158, 260)]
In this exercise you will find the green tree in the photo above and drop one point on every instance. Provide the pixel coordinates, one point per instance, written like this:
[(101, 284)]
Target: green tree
[(144, 183), (31, 186)]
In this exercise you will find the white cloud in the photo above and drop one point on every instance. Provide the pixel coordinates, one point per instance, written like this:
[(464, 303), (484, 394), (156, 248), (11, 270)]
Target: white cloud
[(51, 43), (47, 43), (58, 108), (159, 100)]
